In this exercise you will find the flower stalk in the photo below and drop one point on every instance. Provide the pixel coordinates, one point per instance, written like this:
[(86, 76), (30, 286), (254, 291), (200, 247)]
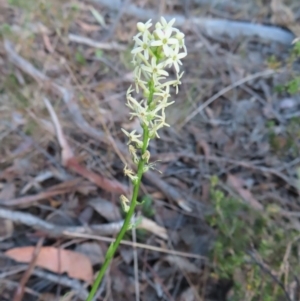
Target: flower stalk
[(153, 53)]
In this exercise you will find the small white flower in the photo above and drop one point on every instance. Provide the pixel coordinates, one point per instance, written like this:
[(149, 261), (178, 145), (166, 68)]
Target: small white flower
[(175, 57), (132, 137), (142, 27), (130, 174), (138, 110), (137, 72), (144, 115), (150, 166), (140, 83), (163, 104), (155, 69), (133, 104), (132, 151), (178, 82), (129, 91), (125, 203), (164, 40), (158, 124), (180, 37), (164, 24), (142, 45), (146, 156), (164, 94)]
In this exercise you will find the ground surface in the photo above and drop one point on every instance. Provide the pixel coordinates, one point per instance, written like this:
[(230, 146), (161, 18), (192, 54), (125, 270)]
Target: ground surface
[(221, 222)]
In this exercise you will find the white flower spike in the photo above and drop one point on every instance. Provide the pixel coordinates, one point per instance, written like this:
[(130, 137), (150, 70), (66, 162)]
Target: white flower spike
[(154, 52)]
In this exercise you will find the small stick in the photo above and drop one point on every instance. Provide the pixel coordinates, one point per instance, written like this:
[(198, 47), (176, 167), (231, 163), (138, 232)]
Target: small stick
[(95, 44), (21, 288), (82, 232)]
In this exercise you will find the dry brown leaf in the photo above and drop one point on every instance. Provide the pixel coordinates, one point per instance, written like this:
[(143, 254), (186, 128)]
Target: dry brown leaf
[(92, 250), (106, 209), (88, 27), (76, 265), (183, 264), (237, 185), (47, 43), (157, 195), (152, 227)]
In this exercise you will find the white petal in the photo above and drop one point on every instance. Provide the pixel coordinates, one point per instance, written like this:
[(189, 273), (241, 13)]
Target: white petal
[(160, 65), (176, 67), (163, 21), (146, 68), (163, 72), (181, 55), (136, 50), (172, 41), (136, 36), (160, 33), (156, 43), (167, 50), (146, 37), (153, 62), (148, 24), (138, 42), (168, 61), (158, 25), (171, 22), (168, 32)]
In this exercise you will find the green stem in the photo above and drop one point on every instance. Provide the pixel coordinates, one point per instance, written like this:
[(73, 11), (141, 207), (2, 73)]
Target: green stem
[(114, 246)]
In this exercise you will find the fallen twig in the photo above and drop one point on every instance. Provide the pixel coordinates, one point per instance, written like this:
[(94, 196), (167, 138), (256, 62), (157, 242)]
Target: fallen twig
[(93, 232), (56, 230), (37, 223), (13, 284), (55, 190), (74, 284), (21, 288), (96, 44)]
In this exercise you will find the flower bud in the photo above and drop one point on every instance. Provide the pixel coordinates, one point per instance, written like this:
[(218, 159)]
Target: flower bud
[(141, 26), (179, 35), (146, 156), (125, 203)]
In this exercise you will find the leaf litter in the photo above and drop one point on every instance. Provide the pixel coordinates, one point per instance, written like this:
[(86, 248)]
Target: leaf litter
[(60, 261), (228, 122)]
